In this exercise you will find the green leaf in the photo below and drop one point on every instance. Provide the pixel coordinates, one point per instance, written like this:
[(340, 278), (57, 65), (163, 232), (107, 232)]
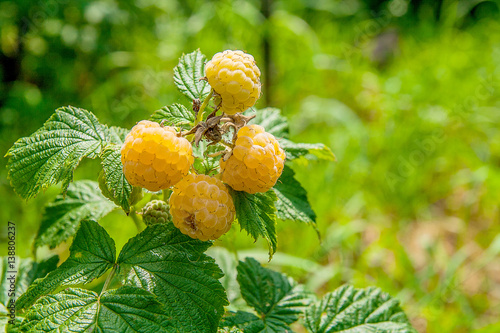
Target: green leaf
[(17, 274), (229, 330), (131, 309), (277, 299), (204, 163), (276, 124), (257, 215), (127, 310), (292, 201), (91, 255), (187, 75), (173, 267), (174, 115), (61, 217), (353, 310), (8, 268), (71, 309), (295, 150), (116, 135), (226, 260), (272, 120), (50, 155), (117, 188), (43, 267), (10, 325), (245, 321)]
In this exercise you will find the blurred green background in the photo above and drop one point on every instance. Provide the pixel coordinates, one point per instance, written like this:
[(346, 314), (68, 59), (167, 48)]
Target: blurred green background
[(405, 93)]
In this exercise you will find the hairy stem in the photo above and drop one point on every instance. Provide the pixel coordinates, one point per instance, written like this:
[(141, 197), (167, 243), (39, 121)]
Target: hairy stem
[(202, 107), (227, 144), (136, 220), (166, 195)]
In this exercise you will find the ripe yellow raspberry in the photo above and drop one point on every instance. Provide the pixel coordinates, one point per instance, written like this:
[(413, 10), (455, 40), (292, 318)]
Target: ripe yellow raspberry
[(236, 78), (201, 207), (256, 162), (154, 157)]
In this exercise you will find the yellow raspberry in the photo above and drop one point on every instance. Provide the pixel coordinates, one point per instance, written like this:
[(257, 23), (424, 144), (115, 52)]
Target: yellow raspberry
[(235, 77), (154, 157), (256, 162), (201, 207)]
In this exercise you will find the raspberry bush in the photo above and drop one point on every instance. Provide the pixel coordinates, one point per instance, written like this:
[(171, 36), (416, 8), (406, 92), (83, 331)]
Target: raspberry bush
[(217, 163)]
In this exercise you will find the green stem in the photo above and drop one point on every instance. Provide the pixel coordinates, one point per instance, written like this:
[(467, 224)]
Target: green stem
[(136, 220), (108, 279), (202, 107), (166, 195), (227, 144)]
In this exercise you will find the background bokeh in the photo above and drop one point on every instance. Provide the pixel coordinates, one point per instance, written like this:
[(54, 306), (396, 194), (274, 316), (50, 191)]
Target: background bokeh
[(406, 94)]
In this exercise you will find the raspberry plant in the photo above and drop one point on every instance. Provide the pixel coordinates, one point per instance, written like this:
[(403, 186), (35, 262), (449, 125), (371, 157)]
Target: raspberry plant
[(217, 162)]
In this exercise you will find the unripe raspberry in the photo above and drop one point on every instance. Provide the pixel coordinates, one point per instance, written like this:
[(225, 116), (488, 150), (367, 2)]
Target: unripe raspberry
[(156, 212), (256, 162), (236, 78), (201, 207), (154, 157)]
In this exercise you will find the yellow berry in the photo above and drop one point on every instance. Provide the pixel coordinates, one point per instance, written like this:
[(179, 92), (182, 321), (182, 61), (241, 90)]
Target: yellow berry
[(236, 78), (154, 158), (201, 207), (256, 162)]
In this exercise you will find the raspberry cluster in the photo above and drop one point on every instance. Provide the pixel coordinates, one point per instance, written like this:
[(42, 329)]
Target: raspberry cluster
[(236, 78), (154, 157), (201, 207), (256, 161)]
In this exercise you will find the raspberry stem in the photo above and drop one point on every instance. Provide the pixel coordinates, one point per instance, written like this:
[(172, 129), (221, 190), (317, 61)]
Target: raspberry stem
[(108, 279), (227, 144), (199, 117), (166, 194), (136, 220)]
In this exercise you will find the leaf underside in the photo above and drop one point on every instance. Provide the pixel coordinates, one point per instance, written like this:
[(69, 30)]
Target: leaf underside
[(308, 150)]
